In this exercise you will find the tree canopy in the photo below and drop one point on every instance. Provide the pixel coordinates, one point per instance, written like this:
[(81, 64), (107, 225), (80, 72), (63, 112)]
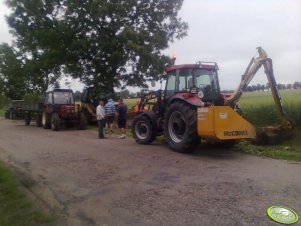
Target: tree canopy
[(12, 79), (105, 43)]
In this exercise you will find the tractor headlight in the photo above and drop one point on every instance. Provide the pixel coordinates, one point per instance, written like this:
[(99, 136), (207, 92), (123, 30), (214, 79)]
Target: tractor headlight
[(200, 94)]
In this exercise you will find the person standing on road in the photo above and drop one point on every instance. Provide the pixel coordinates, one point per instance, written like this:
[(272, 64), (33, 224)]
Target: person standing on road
[(100, 114), (121, 117), (110, 113)]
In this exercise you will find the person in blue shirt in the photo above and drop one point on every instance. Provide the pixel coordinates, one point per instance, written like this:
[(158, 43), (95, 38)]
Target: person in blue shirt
[(110, 110)]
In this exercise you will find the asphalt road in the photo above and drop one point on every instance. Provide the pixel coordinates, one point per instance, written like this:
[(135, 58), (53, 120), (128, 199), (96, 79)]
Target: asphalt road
[(118, 182)]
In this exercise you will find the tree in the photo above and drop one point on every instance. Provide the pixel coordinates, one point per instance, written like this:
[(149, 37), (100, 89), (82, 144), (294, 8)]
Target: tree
[(39, 37), (77, 95), (12, 78), (296, 85), (104, 43)]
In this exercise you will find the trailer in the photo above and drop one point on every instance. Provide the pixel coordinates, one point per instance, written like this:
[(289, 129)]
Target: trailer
[(58, 109)]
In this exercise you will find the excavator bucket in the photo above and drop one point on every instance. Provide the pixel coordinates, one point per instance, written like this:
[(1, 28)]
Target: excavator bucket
[(223, 123)]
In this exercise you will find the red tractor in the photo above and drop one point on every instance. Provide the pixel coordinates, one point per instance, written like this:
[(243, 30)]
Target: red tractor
[(192, 108), (60, 109), (173, 111)]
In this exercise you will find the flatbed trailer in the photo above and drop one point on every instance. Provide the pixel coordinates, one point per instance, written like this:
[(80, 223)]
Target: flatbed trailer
[(57, 109)]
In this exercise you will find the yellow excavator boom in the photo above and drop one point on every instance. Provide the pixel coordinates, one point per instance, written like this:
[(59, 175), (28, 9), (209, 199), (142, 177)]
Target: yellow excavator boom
[(253, 67)]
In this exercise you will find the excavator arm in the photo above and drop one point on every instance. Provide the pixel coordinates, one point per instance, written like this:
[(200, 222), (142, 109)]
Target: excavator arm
[(254, 65)]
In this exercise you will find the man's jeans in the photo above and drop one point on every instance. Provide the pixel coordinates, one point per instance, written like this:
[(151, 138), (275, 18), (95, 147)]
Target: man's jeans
[(101, 124)]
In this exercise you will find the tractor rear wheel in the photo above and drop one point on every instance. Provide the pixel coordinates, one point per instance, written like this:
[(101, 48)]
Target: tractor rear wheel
[(143, 130), (181, 127), (55, 121)]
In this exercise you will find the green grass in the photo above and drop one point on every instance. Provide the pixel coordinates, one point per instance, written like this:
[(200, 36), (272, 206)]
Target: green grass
[(260, 110), (289, 149), (259, 107), (15, 207)]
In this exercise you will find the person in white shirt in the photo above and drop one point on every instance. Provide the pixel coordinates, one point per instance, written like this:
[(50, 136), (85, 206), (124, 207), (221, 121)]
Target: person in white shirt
[(100, 114)]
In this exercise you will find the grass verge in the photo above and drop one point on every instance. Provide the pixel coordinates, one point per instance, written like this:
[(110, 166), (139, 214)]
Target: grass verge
[(15, 207), (288, 150)]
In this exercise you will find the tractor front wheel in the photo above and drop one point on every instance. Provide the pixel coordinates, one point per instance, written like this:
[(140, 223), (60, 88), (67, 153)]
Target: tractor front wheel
[(181, 127), (143, 130)]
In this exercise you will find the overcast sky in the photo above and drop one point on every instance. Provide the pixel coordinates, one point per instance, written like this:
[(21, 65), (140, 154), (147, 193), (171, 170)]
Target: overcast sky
[(228, 32)]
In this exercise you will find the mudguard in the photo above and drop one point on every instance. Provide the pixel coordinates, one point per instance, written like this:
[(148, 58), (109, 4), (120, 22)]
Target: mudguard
[(189, 98)]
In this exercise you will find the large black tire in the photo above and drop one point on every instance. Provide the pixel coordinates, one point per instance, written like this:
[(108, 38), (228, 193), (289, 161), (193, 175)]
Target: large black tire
[(39, 120), (46, 120), (55, 121), (180, 127), (81, 121), (143, 130)]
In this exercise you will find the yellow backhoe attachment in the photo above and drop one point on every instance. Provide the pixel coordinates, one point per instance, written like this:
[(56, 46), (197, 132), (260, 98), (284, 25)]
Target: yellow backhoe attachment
[(223, 123), (286, 126)]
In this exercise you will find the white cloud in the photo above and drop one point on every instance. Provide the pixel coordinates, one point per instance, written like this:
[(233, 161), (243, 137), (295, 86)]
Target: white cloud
[(228, 32)]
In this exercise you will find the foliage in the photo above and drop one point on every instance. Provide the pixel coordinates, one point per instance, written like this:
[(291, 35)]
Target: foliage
[(39, 39), (33, 97), (12, 79), (3, 101), (104, 43), (15, 208), (2, 112)]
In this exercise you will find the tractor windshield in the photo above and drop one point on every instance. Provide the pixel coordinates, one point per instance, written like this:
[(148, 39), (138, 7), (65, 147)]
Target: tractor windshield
[(63, 98), (206, 78)]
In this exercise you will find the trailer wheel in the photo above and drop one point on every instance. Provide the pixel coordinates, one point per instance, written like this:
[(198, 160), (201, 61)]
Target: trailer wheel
[(55, 121), (143, 130), (39, 120), (46, 120), (181, 127), (81, 121)]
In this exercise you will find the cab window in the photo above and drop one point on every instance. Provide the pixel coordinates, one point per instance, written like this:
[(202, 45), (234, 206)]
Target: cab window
[(170, 85)]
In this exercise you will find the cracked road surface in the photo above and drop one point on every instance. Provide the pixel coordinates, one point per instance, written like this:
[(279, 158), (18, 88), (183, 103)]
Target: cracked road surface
[(118, 182)]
